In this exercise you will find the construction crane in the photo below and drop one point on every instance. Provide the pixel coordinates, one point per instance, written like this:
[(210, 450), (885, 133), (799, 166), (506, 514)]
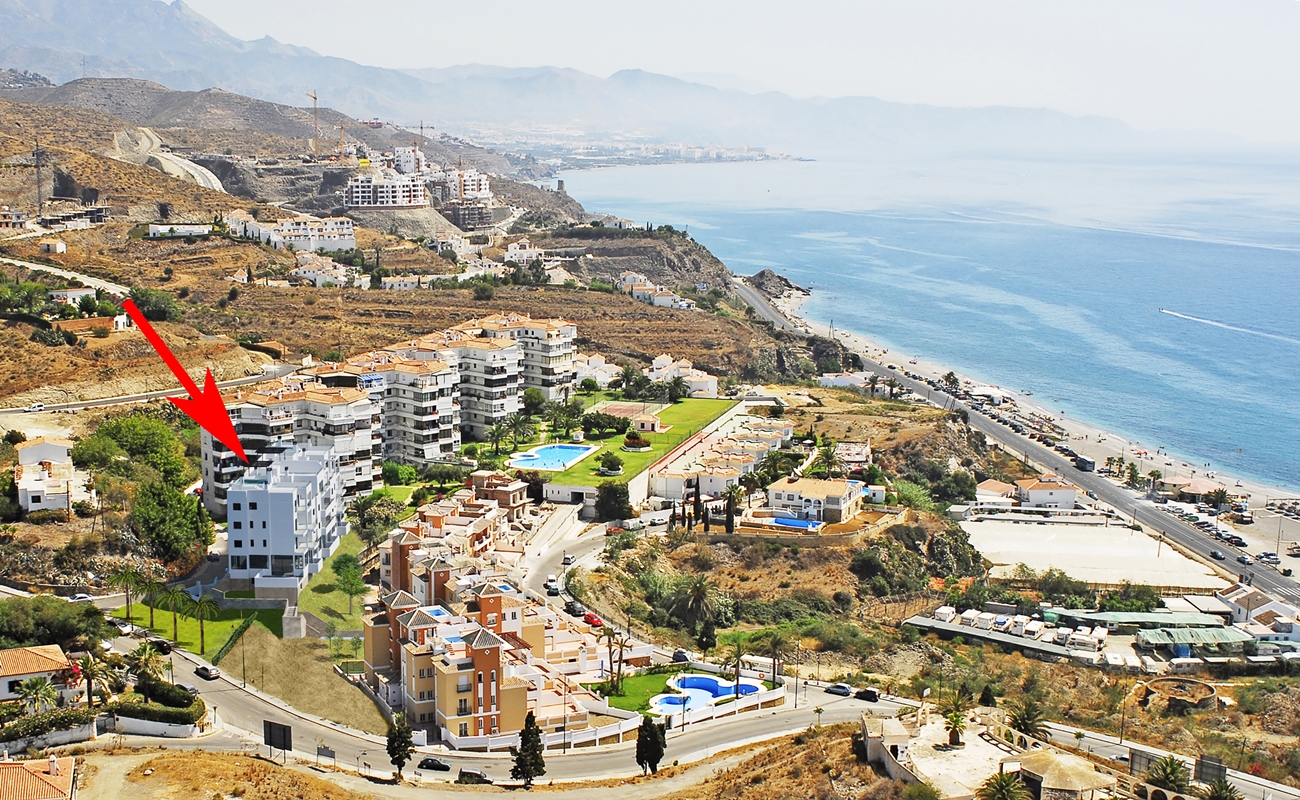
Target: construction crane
[(315, 118)]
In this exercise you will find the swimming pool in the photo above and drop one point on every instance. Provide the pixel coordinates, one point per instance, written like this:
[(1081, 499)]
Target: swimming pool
[(806, 524), (696, 691), (552, 457)]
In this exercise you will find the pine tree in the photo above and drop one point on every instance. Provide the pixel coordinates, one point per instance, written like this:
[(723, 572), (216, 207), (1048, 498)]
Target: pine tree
[(400, 743), (529, 762), (650, 744)]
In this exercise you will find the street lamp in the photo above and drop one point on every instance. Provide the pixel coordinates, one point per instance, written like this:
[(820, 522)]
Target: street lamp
[(359, 755)]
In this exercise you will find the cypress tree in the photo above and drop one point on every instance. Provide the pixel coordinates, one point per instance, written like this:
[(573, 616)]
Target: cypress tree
[(650, 744), (529, 762), (400, 743)]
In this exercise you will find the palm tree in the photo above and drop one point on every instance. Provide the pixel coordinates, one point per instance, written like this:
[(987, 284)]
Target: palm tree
[(1169, 773), (1220, 790), (1003, 786), (521, 428), (1027, 717), (610, 636), (774, 465), (554, 414), (1217, 498), (95, 674), (146, 660), (736, 658), (1154, 477), (955, 724), (873, 382), (752, 483), (496, 433), (174, 599), (695, 601), (128, 579), (677, 389), (629, 377), (732, 494), (150, 590), (37, 694), (203, 609), (893, 385), (622, 644), (777, 641), (828, 461)]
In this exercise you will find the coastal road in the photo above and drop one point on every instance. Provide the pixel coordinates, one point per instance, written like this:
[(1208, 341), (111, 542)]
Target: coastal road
[(763, 307), (181, 167), (1124, 500)]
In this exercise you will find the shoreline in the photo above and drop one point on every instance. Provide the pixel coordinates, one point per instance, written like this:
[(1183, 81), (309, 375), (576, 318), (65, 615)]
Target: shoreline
[(1086, 438)]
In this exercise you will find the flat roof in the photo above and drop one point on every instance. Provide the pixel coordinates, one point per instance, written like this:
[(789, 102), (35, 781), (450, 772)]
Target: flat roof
[(1005, 639), (1167, 636)]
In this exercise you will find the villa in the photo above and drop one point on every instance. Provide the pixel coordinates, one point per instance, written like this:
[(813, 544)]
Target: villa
[(815, 499)]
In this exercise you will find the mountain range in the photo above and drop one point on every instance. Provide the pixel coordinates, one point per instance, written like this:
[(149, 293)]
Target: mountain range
[(173, 45)]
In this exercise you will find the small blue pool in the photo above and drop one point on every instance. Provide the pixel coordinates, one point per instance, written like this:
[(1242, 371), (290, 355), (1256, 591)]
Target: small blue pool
[(694, 691), (552, 457), (806, 524)]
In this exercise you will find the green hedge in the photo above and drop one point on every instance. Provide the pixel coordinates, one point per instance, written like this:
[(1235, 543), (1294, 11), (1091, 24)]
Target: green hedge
[(60, 719), (163, 693), (160, 713), (234, 637)]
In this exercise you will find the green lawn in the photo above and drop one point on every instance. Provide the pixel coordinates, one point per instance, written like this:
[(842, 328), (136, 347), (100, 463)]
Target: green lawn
[(322, 599), (686, 419), (638, 689), (216, 630)]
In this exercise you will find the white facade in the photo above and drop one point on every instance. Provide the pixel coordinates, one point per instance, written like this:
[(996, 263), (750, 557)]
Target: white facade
[(320, 271), (45, 477), (70, 296), (595, 367), (400, 283), (468, 184), (285, 518), (1046, 491), (547, 346), (157, 230), (523, 252), (385, 189), (700, 383), (809, 498), (409, 160), (302, 232)]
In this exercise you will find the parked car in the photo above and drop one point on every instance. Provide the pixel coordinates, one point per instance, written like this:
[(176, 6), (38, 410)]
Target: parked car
[(680, 656), (870, 695), (552, 590), (189, 687), (575, 608), (208, 672), (434, 764), (1218, 555), (593, 620), (472, 776), (160, 644), (568, 559), (841, 689)]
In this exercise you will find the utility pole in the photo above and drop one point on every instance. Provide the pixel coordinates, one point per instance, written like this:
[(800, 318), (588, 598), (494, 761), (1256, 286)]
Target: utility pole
[(315, 116)]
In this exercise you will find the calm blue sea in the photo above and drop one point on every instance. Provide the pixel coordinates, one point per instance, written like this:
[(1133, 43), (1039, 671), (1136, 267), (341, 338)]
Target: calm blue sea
[(1035, 276)]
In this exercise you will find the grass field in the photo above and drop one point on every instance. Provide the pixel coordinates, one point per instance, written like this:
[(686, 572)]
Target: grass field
[(321, 598), (216, 630), (686, 419), (637, 691), (301, 673)]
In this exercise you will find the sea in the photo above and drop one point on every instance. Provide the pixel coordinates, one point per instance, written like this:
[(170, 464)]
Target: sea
[(1156, 297)]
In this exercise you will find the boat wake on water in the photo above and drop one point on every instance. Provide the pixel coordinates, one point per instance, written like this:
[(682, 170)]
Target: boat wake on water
[(1226, 326)]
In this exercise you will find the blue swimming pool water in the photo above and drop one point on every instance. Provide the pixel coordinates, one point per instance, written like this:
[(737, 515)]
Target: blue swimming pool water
[(552, 457), (713, 686), (806, 524)]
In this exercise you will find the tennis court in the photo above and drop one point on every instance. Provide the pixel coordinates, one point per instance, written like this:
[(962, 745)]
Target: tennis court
[(620, 408)]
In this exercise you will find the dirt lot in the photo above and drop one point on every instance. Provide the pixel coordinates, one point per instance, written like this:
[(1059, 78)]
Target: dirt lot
[(202, 776), (299, 672)]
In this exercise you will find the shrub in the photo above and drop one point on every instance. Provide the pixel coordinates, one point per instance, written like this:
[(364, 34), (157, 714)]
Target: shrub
[(48, 337), (100, 332), (46, 517), (15, 436), (59, 719), (233, 294), (484, 292), (163, 693), (234, 637), (154, 712), (83, 508)]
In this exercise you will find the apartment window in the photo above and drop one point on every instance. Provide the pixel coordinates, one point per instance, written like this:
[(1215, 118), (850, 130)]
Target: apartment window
[(239, 543), (264, 543), (257, 562), (239, 562), (35, 499), (238, 506), (462, 709), (263, 524), (238, 525), (252, 506), (464, 729)]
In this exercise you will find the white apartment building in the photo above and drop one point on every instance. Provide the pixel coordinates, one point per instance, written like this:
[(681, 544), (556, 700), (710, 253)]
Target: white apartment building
[(285, 517), (664, 368), (302, 232), (547, 346), (418, 401), (400, 283), (409, 160), (1046, 491), (594, 366), (157, 230), (810, 498), (70, 296), (321, 271), (523, 252), (468, 183), (385, 189), (297, 410)]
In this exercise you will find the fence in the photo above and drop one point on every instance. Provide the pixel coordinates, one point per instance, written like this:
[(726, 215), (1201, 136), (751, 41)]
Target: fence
[(586, 737), (734, 708)]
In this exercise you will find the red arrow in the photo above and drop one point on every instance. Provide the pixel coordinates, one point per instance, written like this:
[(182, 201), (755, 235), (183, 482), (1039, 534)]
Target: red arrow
[(205, 407)]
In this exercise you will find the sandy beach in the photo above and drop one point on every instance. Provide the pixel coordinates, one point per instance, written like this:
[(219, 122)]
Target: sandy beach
[(1085, 438)]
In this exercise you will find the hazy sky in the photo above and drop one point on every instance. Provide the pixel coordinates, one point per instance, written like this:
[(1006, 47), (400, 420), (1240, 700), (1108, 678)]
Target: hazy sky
[(1176, 64)]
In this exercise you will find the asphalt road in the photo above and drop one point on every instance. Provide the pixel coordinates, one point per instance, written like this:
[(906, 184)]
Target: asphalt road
[(763, 307), (275, 371), (93, 283), (1124, 500)]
